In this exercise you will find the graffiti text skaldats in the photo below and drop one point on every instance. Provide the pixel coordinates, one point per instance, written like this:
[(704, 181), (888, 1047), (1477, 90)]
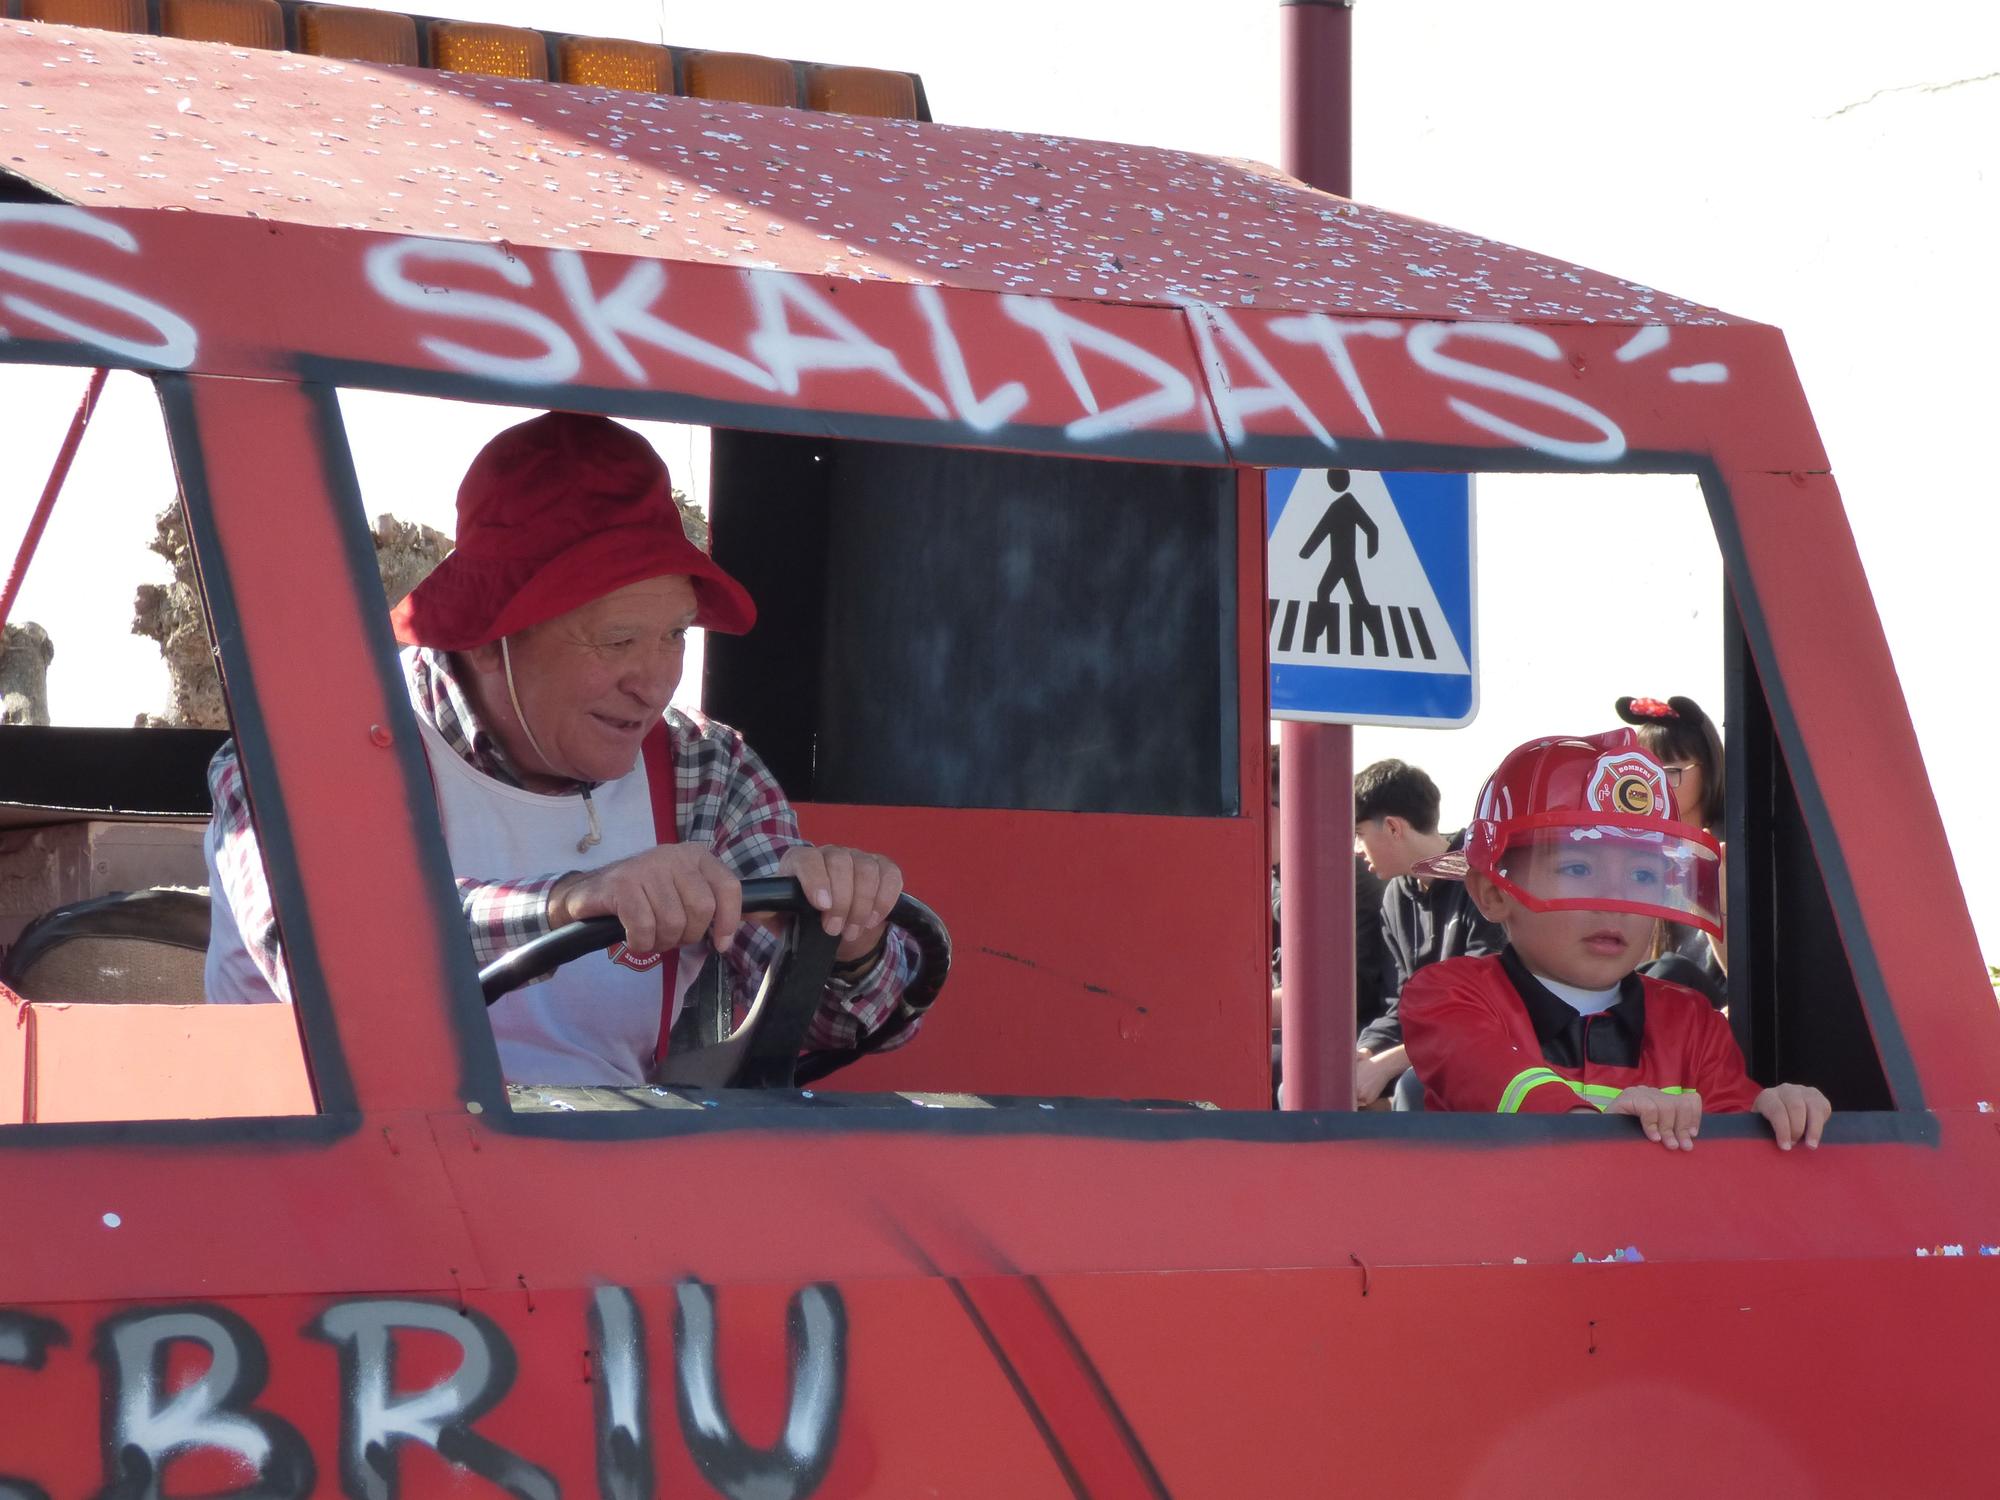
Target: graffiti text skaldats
[(1246, 384)]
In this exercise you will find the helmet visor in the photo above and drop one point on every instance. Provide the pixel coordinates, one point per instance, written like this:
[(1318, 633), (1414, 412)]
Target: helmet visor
[(1658, 871)]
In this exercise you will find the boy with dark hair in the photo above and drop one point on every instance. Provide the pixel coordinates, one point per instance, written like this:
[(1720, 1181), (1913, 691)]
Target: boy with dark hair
[(1423, 920), (1577, 853)]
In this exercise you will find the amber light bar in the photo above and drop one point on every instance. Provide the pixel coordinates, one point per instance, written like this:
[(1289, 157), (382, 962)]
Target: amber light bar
[(393, 38)]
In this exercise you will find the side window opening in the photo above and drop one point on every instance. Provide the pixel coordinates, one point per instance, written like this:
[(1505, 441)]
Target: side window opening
[(876, 564), (945, 636), (113, 713), (1800, 1016), (1595, 588)]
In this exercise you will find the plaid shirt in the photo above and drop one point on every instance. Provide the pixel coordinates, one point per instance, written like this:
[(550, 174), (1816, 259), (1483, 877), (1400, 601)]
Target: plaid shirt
[(724, 800)]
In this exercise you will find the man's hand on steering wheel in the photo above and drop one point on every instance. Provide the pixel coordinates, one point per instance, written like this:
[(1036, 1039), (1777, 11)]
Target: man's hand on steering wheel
[(676, 894), (667, 896), (853, 891)]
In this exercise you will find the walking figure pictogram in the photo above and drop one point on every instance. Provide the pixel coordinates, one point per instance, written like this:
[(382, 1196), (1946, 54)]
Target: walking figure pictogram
[(1344, 520)]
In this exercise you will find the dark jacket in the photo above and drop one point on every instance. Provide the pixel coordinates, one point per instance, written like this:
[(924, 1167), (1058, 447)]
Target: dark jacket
[(1421, 925), (1373, 971)]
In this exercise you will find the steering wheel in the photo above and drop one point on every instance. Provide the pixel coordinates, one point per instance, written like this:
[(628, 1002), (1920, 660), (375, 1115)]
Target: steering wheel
[(763, 1052)]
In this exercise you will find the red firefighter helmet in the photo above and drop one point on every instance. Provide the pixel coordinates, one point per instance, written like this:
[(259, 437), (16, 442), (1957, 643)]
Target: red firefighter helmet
[(1588, 824)]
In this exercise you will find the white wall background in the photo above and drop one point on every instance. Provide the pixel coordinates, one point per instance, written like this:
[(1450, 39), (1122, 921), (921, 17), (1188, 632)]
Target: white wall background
[(1826, 168)]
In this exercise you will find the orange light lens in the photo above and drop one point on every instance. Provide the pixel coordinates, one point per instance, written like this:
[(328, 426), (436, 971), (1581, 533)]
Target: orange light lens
[(105, 15), (610, 63), (742, 76), (862, 91), (497, 51), (375, 36), (240, 23)]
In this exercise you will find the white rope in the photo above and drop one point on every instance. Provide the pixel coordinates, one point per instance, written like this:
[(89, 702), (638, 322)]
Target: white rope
[(596, 835)]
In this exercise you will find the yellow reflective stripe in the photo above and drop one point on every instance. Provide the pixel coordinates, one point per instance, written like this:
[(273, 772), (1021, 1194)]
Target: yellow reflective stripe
[(1517, 1089), (1598, 1094), (1605, 1091)]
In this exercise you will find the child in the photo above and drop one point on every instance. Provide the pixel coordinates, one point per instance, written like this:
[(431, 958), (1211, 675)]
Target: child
[(1576, 852)]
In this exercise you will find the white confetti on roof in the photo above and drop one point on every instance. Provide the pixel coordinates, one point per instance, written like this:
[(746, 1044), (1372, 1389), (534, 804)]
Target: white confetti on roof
[(103, 119)]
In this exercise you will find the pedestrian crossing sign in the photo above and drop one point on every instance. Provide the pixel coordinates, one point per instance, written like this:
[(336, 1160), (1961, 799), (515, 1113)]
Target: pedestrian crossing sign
[(1370, 594)]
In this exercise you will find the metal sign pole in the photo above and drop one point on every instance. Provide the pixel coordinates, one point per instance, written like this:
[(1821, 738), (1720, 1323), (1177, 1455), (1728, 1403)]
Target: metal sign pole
[(1316, 767)]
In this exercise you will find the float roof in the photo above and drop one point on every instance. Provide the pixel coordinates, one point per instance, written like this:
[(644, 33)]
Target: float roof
[(111, 120)]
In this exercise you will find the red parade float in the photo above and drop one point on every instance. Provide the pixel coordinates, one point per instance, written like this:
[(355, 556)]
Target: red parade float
[(323, 1249)]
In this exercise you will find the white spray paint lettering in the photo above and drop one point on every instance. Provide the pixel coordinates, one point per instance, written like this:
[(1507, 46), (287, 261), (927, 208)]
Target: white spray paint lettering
[(387, 274), (1173, 394), (624, 1435), (174, 343), (982, 414), (816, 1329), (1330, 335), (377, 1420), (150, 1418), (788, 353), (1426, 343), (1648, 340), (798, 331), (609, 318), (1213, 327), (145, 1428)]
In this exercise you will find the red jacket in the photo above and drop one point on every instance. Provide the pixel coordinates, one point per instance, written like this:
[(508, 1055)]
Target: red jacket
[(1485, 1034)]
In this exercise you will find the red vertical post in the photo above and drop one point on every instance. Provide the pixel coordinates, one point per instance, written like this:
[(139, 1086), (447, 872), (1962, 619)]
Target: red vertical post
[(65, 456), (1316, 92), (1316, 766)]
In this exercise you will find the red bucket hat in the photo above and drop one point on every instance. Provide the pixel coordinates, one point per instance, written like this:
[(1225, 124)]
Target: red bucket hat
[(553, 513)]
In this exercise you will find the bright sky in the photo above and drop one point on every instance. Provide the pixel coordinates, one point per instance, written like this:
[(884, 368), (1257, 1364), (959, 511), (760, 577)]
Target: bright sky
[(1822, 170)]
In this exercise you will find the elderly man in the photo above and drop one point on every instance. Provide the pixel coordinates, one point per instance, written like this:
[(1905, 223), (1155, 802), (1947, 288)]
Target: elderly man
[(539, 657)]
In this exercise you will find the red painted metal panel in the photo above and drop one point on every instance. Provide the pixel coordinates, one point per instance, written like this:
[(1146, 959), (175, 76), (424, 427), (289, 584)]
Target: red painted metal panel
[(243, 1215), (1157, 988), (958, 365), (900, 1191), (1640, 1380), (1839, 683), (320, 699), (1475, 1381)]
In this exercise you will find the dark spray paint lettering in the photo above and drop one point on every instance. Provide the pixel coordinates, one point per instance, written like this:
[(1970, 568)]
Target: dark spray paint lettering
[(624, 1434), (24, 1343), (816, 1326), (376, 1420), (145, 1428)]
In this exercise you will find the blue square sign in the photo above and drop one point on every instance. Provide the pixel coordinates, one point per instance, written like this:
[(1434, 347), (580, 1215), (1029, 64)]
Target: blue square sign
[(1370, 593)]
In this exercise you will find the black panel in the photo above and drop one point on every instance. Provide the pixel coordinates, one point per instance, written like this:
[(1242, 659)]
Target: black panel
[(110, 770), (768, 516), (954, 629), (1793, 1001)]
